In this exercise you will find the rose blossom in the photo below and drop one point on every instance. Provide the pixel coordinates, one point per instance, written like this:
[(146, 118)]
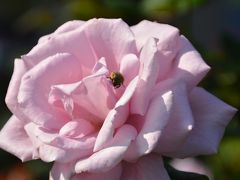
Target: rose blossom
[(67, 109)]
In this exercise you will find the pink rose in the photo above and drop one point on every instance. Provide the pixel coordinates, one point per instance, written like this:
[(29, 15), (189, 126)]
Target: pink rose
[(105, 101)]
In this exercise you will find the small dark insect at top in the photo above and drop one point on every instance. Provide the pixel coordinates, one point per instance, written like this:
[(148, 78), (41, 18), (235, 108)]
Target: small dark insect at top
[(117, 79)]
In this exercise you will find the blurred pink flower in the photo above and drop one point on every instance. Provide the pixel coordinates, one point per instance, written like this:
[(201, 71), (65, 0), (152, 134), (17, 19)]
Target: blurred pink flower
[(105, 101), (191, 165)]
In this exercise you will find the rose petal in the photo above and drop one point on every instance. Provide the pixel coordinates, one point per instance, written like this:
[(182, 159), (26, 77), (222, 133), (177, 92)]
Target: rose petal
[(113, 174), (69, 26), (112, 39), (148, 76), (64, 171), (100, 67), (116, 117), (166, 34), (35, 87), (211, 117), (181, 120), (167, 45), (66, 27), (74, 42), (189, 65), (77, 128), (129, 67), (49, 153), (15, 140), (149, 167), (111, 155), (11, 98), (155, 121), (61, 171), (192, 165), (49, 146)]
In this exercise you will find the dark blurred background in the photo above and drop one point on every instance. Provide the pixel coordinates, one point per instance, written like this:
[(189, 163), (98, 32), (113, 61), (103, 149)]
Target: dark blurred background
[(213, 26)]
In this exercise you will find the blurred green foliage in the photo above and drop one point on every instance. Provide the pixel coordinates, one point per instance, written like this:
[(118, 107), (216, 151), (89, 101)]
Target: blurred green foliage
[(213, 27)]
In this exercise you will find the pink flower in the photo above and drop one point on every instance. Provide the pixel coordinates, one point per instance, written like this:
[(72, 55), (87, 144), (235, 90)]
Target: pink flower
[(105, 101), (192, 165)]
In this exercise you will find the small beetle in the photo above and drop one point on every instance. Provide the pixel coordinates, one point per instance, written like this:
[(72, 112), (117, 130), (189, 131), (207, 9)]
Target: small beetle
[(117, 79)]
